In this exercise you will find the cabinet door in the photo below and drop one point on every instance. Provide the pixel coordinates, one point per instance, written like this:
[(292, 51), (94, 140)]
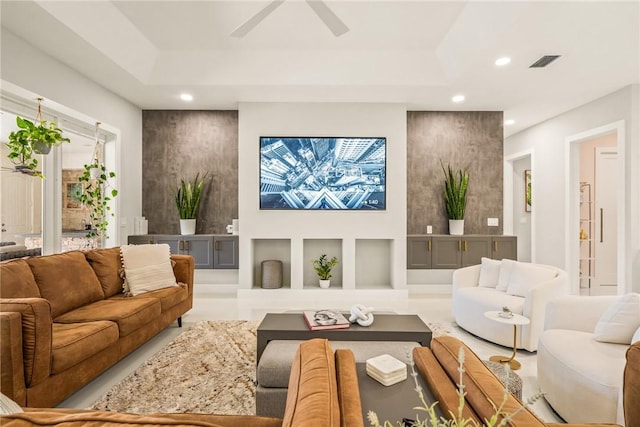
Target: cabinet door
[(474, 248), (447, 252), (225, 254), (141, 239), (504, 247), (172, 241), (418, 252), (200, 248)]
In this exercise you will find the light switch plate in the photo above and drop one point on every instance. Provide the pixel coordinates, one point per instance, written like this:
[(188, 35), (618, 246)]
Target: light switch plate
[(493, 222), (429, 229)]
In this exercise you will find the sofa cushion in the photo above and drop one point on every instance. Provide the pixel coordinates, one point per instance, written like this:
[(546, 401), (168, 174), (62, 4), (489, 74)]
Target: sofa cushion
[(620, 321), (107, 265), (312, 398), (129, 313), (489, 272), (443, 389), (17, 280), (66, 280), (168, 296), (524, 276), (484, 392), (75, 342), (506, 265), (147, 268)]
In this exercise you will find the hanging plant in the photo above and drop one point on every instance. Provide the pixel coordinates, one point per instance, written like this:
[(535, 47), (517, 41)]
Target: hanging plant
[(97, 193), (33, 138)]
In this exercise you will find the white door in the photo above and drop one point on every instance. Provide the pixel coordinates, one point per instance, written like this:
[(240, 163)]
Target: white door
[(606, 260), (21, 206)]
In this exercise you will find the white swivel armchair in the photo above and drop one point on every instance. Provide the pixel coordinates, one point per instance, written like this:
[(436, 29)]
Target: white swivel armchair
[(523, 287), (581, 377)]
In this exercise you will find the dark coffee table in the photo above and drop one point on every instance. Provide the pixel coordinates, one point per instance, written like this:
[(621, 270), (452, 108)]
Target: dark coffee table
[(386, 327), (394, 402)]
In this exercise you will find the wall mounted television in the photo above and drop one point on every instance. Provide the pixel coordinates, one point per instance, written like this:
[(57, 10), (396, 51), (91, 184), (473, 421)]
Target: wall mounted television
[(310, 173)]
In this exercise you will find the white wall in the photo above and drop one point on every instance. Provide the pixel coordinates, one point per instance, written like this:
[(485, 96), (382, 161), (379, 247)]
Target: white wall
[(548, 139), (33, 70), (318, 119)]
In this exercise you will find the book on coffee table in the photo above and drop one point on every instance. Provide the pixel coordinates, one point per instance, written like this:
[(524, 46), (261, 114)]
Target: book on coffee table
[(321, 320)]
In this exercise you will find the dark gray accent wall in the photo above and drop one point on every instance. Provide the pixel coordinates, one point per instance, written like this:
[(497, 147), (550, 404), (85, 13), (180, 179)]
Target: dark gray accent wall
[(178, 144), (463, 139)]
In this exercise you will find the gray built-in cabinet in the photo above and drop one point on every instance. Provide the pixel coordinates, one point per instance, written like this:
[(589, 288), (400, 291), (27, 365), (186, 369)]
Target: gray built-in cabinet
[(451, 252), (208, 250)]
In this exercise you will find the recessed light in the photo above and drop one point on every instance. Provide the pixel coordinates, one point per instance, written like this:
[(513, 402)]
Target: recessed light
[(186, 97), (458, 98), (509, 122), (503, 61)]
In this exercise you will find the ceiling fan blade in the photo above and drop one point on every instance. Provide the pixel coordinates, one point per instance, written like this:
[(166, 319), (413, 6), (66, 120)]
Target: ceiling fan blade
[(251, 23), (327, 16)]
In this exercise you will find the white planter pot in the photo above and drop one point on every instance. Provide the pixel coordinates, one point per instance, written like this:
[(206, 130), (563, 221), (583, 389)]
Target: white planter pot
[(456, 227), (187, 226), (324, 284)]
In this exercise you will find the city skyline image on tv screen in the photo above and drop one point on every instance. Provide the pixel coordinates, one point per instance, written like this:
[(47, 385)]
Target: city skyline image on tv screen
[(322, 173)]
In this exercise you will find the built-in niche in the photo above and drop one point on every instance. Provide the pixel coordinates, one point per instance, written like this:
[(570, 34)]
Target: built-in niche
[(312, 249), (271, 249)]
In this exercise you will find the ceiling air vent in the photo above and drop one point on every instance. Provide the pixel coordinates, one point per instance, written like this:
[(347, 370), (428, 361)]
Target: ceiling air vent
[(544, 61)]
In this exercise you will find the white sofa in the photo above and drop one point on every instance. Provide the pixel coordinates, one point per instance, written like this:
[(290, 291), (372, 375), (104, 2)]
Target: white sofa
[(581, 378), (523, 287)]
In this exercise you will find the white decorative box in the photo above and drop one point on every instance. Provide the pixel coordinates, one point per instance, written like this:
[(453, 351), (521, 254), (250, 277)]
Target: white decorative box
[(386, 369)]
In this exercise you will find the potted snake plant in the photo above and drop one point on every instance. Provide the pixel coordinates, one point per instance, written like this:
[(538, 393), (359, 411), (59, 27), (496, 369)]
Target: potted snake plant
[(187, 198), (455, 197)]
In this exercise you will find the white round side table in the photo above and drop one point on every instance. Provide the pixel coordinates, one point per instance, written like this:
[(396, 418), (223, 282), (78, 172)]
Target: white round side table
[(514, 320)]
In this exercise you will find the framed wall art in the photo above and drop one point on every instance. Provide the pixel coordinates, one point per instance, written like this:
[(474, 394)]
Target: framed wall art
[(527, 190)]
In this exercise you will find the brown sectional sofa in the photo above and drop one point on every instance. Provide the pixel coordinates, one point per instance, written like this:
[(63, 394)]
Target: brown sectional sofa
[(64, 320), (323, 392)]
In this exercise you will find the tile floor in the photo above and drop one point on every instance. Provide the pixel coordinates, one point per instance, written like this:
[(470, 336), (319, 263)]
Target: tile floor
[(433, 308)]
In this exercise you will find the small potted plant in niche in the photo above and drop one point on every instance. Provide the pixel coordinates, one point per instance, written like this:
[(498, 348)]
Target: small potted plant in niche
[(95, 197), (187, 199), (323, 267), (32, 138), (455, 197)]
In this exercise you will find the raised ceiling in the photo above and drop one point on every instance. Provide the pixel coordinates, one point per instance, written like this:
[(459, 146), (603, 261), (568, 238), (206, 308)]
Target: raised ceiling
[(418, 53)]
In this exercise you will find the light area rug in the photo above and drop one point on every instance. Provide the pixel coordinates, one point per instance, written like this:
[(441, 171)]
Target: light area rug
[(209, 368)]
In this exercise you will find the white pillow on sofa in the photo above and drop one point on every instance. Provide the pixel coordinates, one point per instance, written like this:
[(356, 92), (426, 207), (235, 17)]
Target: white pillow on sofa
[(489, 272), (619, 323), (636, 336), (506, 265), (147, 268), (525, 275)]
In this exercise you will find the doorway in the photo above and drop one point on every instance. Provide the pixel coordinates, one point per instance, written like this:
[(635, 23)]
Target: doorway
[(519, 216), (595, 207)]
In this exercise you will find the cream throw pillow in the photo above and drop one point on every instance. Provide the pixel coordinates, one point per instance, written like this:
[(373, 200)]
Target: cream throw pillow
[(8, 406), (636, 336), (506, 265), (489, 272), (619, 323), (524, 276), (147, 268)]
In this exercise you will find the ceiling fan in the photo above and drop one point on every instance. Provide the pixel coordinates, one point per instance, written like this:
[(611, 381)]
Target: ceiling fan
[(327, 16)]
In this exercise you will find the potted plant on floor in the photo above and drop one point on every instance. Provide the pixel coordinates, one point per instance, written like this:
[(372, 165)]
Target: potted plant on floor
[(187, 199), (455, 197), (323, 267)]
